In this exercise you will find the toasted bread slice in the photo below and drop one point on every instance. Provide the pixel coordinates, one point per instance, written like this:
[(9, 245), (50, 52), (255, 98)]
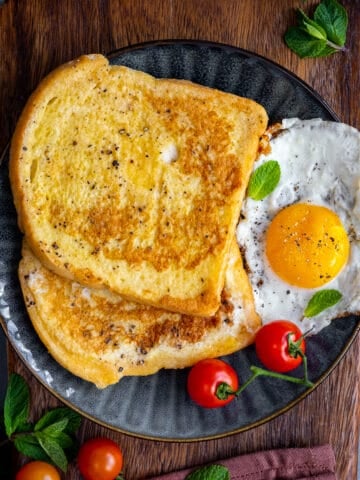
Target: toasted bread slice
[(134, 183), (100, 337)]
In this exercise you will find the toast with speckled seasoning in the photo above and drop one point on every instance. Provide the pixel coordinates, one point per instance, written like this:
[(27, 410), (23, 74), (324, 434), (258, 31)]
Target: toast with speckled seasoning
[(134, 183), (101, 337)]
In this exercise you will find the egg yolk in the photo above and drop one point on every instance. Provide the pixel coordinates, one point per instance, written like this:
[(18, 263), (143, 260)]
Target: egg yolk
[(307, 245)]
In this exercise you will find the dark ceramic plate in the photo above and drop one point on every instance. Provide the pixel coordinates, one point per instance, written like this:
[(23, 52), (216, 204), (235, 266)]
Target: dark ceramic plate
[(157, 406)]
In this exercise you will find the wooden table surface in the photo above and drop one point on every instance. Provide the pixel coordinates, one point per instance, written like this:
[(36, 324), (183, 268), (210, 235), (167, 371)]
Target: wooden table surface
[(38, 35)]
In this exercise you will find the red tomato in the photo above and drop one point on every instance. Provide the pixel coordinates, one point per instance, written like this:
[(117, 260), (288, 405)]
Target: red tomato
[(271, 344), (100, 458), (204, 379), (37, 471)]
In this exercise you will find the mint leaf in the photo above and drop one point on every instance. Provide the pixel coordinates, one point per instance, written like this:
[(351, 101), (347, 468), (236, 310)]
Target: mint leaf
[(57, 414), (321, 301), (17, 405), (264, 180), (310, 27), (304, 45), (64, 440), (334, 19), (74, 420), (55, 428), (29, 446), (53, 450), (211, 472)]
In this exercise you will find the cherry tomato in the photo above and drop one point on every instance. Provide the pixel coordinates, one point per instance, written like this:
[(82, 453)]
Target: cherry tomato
[(100, 458), (37, 471), (271, 345), (204, 379)]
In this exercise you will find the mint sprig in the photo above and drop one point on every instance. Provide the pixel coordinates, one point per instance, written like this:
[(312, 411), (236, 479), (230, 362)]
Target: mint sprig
[(264, 180), (210, 472), (322, 300), (321, 36), (51, 438)]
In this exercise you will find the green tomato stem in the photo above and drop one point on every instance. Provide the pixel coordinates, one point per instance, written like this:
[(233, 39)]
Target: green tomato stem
[(295, 350), (224, 390), (257, 371), (304, 360)]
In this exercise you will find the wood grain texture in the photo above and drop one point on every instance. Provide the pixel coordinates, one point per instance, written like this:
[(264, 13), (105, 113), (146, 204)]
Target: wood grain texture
[(38, 35)]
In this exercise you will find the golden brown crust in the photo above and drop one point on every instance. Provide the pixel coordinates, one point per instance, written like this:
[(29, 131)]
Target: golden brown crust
[(134, 183), (100, 337)]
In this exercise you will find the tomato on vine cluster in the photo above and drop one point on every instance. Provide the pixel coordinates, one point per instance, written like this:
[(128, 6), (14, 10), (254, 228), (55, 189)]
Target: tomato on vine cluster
[(280, 347)]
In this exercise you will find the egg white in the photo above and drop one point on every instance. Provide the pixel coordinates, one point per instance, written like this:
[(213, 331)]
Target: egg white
[(320, 165)]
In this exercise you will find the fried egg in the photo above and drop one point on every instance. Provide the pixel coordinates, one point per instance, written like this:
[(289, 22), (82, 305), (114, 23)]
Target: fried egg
[(305, 235)]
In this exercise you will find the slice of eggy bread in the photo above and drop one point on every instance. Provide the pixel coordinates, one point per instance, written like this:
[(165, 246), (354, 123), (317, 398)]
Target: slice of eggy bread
[(100, 337), (134, 183)]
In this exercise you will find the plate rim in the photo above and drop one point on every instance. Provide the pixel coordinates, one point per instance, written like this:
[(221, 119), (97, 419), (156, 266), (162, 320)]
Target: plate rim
[(293, 77)]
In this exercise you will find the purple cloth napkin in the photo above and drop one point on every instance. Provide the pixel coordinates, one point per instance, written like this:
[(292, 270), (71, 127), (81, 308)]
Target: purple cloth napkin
[(283, 464)]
